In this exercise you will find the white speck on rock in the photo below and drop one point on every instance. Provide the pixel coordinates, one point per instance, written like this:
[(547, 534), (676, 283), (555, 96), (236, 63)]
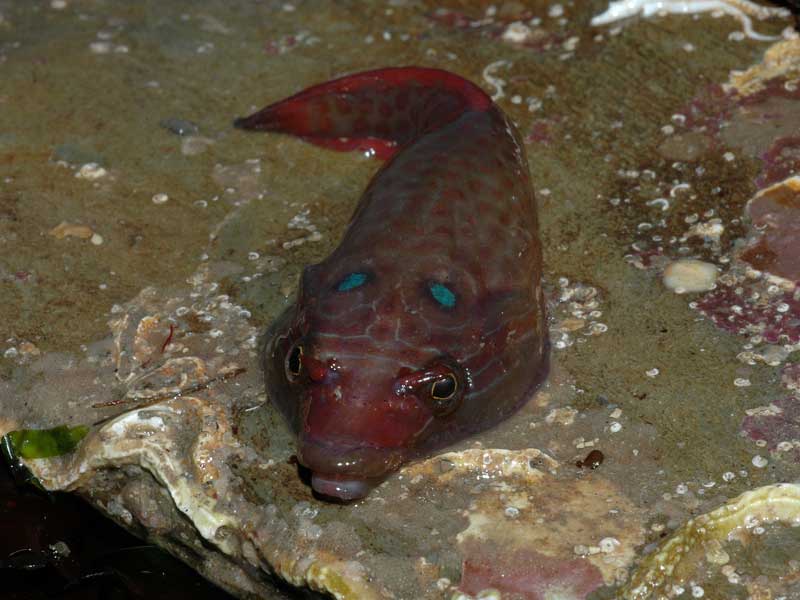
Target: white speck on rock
[(91, 171), (712, 230), (100, 47), (517, 33), (496, 82), (608, 545)]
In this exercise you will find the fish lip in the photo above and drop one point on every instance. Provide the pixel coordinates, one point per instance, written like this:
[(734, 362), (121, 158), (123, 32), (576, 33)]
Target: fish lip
[(341, 489), (348, 461)]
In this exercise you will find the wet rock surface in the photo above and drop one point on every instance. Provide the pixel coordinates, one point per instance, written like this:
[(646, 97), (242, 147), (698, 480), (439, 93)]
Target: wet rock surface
[(140, 262)]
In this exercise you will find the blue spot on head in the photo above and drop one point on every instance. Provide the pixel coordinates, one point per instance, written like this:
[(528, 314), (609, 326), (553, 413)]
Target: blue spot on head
[(442, 294), (352, 281)]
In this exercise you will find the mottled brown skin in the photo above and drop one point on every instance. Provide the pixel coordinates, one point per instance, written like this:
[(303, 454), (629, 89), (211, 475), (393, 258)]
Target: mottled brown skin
[(427, 323)]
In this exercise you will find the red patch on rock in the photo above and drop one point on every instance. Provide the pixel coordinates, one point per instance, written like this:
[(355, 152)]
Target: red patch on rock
[(791, 377), (776, 428), (528, 575), (540, 132), (743, 307), (781, 160)]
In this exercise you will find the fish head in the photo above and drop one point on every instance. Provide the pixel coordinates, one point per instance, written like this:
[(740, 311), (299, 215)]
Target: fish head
[(356, 372)]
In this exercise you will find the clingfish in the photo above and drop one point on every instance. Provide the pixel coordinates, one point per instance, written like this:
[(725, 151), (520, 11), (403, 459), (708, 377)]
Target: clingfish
[(427, 323)]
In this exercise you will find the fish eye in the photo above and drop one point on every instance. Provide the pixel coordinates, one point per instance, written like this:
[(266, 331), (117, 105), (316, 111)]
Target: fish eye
[(441, 385), (444, 395), (294, 364), (444, 388)]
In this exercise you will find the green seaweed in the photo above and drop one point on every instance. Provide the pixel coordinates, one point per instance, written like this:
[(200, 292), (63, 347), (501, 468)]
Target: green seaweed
[(43, 443)]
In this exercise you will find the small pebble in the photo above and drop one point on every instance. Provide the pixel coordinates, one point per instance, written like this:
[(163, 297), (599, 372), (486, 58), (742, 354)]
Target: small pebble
[(29, 348), (593, 460), (65, 229), (91, 171), (96, 239), (160, 198), (690, 275)]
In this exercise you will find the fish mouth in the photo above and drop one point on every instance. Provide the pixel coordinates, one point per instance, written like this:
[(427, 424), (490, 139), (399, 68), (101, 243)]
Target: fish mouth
[(340, 488), (344, 472)]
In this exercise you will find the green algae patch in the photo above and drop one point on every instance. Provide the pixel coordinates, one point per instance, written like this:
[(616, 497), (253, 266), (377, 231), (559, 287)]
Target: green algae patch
[(43, 443)]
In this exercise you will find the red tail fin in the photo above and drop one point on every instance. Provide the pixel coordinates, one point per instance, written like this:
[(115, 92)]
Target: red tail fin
[(376, 110)]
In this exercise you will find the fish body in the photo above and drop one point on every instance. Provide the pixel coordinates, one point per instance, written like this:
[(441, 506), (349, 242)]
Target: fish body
[(427, 323)]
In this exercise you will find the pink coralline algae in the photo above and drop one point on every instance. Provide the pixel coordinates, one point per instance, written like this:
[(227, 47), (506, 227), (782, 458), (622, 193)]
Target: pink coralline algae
[(763, 125), (749, 303), (791, 378), (709, 111), (749, 307), (540, 132), (770, 116), (529, 575), (780, 160), (778, 425), (760, 125)]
